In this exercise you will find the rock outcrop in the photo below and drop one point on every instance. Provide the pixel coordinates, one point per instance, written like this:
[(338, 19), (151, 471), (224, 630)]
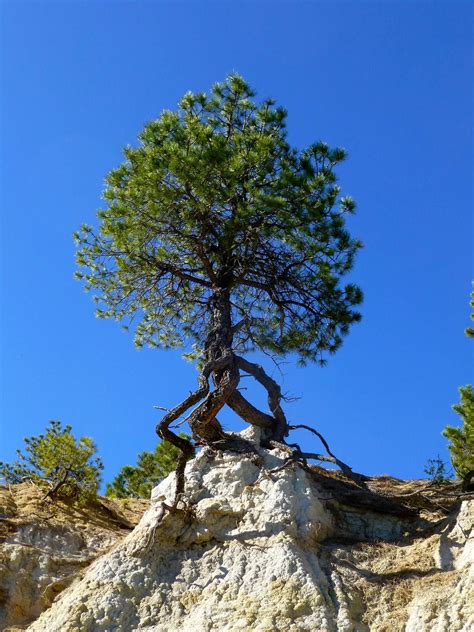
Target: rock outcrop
[(266, 548), (45, 547)]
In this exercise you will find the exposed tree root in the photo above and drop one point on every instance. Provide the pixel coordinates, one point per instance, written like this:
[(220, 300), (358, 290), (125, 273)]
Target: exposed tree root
[(247, 411), (331, 458), (280, 425), (225, 369)]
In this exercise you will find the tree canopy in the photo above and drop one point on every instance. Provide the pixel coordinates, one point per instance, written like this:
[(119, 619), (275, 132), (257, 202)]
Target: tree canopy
[(461, 438), (59, 463), (217, 233), (152, 467), (215, 196)]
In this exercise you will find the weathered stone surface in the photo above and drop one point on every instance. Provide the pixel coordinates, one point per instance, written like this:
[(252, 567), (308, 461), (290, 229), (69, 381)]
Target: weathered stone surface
[(263, 551), (44, 547)]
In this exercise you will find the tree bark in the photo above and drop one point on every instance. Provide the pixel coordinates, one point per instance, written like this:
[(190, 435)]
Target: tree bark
[(224, 366), (274, 396), (219, 355)]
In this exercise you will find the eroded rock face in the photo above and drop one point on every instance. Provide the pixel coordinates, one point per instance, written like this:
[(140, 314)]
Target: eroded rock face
[(262, 551), (44, 547)]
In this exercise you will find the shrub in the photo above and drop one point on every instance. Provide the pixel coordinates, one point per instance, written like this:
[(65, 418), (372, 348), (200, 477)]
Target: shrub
[(152, 467), (461, 438), (435, 469), (58, 463)]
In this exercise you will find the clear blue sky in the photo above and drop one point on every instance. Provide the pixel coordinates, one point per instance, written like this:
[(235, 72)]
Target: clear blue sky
[(391, 82)]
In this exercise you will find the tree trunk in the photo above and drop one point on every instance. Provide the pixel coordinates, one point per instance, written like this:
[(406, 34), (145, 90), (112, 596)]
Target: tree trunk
[(224, 366), (219, 355)]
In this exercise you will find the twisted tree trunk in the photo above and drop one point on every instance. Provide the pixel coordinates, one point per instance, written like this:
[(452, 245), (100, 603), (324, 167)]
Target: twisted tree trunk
[(220, 357), (224, 366)]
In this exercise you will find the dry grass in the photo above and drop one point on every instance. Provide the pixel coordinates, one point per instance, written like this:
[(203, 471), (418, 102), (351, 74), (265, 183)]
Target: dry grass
[(22, 504)]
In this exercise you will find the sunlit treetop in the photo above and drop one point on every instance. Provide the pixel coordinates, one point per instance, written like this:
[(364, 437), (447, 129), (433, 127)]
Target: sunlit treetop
[(215, 200)]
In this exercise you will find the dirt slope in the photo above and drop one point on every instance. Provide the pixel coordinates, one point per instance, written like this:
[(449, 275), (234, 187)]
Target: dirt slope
[(44, 547)]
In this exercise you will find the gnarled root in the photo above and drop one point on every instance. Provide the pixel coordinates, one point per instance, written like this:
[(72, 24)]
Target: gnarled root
[(206, 430), (331, 458), (186, 447), (279, 423), (202, 421)]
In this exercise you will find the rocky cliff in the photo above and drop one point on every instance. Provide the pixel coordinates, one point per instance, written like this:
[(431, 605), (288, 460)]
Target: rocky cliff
[(265, 546), (45, 547)]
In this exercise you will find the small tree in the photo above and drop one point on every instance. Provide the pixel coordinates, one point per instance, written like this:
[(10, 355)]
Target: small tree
[(152, 467), (435, 469), (219, 234), (461, 438), (57, 462)]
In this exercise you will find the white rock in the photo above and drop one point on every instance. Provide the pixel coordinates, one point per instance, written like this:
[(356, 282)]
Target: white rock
[(256, 554)]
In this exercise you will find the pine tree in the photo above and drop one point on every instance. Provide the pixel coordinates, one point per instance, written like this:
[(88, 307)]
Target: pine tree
[(217, 234), (461, 438), (152, 467), (58, 463)]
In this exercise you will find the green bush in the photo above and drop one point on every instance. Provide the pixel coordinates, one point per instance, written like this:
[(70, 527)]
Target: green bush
[(461, 438), (152, 467), (58, 463), (435, 469)]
